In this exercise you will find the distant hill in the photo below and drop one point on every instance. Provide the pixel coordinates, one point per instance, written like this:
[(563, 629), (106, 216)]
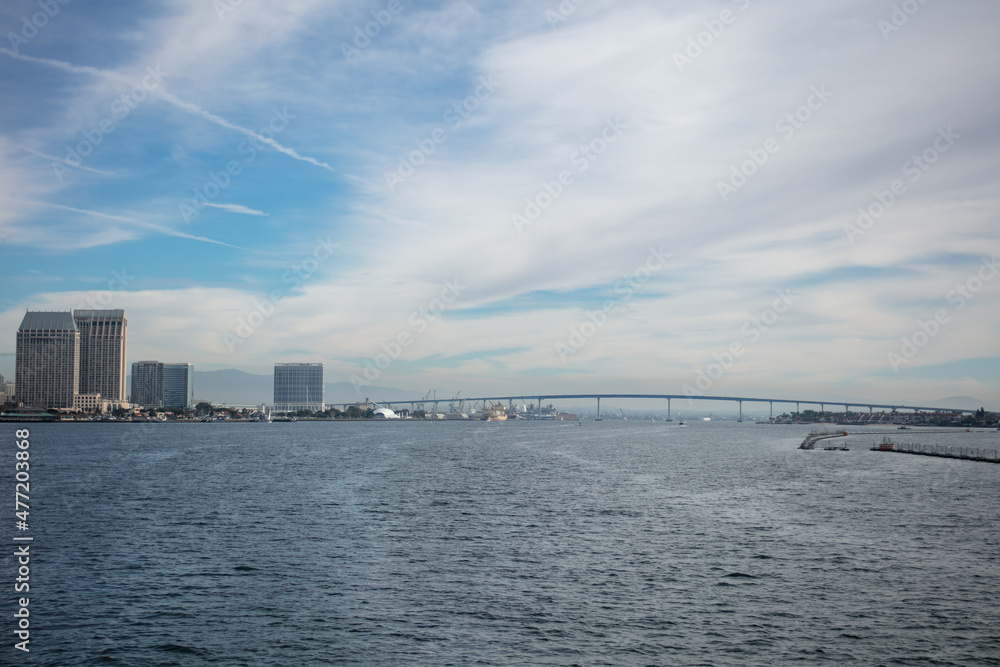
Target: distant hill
[(233, 387)]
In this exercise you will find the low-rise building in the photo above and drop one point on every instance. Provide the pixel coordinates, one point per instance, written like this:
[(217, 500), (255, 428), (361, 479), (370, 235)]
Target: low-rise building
[(89, 403)]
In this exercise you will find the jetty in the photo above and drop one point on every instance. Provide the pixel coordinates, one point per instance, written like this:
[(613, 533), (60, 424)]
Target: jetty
[(813, 438), (816, 436), (940, 451)]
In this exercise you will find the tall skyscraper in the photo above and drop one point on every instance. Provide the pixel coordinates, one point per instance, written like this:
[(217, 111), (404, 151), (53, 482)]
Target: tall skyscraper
[(147, 384), (178, 385), (102, 352), (48, 355), (298, 387)]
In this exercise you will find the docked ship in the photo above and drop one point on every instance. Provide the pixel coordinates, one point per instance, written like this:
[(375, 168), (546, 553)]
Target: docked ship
[(497, 413)]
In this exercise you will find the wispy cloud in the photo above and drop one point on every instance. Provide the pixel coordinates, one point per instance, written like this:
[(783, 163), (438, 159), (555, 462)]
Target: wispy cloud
[(236, 208), (63, 161), (171, 99), (142, 224)]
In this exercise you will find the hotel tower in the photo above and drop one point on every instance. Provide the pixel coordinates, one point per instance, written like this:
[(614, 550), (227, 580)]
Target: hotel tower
[(102, 352)]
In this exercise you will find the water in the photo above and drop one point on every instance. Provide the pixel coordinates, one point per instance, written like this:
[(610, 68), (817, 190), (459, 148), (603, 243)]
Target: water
[(612, 543)]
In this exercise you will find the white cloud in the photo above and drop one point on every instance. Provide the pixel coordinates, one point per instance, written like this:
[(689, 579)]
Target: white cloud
[(236, 208)]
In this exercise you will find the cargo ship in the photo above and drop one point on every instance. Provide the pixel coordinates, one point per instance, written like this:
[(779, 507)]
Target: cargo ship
[(497, 413)]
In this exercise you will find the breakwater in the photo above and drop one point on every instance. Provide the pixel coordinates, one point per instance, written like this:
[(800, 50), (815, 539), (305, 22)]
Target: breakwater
[(941, 451), (816, 436)]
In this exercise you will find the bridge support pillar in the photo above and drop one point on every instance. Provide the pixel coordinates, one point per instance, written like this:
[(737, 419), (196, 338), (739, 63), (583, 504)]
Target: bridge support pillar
[(741, 411), (539, 407), (668, 410), (598, 408), (771, 403)]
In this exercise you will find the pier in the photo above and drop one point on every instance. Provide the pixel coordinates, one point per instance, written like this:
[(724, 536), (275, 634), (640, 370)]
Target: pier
[(941, 451)]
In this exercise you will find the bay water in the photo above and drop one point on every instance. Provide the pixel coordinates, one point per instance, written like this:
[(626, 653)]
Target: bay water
[(504, 543)]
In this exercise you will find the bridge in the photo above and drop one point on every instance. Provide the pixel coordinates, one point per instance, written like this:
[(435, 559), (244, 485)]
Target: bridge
[(740, 400)]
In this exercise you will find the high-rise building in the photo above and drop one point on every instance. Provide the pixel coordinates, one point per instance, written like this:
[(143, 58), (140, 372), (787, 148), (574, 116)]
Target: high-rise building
[(48, 354), (178, 385), (147, 384), (298, 387), (102, 352)]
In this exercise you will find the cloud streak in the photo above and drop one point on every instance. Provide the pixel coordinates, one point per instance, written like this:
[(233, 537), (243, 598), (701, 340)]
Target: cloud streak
[(142, 224), (235, 208), (172, 99)]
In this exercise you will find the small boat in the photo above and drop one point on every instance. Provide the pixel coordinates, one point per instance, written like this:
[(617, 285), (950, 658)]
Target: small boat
[(680, 423), (887, 445)]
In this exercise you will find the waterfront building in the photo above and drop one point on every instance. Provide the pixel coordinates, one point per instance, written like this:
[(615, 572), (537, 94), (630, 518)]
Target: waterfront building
[(147, 384), (298, 386), (89, 402), (178, 385), (102, 352), (47, 366)]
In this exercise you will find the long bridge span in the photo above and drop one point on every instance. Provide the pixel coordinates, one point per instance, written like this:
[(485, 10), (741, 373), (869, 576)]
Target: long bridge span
[(740, 400)]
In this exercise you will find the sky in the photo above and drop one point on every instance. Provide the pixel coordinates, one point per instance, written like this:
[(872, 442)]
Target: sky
[(703, 198)]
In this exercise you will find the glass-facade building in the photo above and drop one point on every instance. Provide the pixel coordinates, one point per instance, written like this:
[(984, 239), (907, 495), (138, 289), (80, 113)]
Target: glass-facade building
[(298, 387), (147, 384), (178, 385)]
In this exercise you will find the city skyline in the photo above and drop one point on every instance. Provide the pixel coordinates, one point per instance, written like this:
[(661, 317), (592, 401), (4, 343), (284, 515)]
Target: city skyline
[(735, 198)]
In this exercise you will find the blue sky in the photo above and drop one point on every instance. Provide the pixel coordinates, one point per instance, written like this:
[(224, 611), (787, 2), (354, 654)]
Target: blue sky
[(616, 192)]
